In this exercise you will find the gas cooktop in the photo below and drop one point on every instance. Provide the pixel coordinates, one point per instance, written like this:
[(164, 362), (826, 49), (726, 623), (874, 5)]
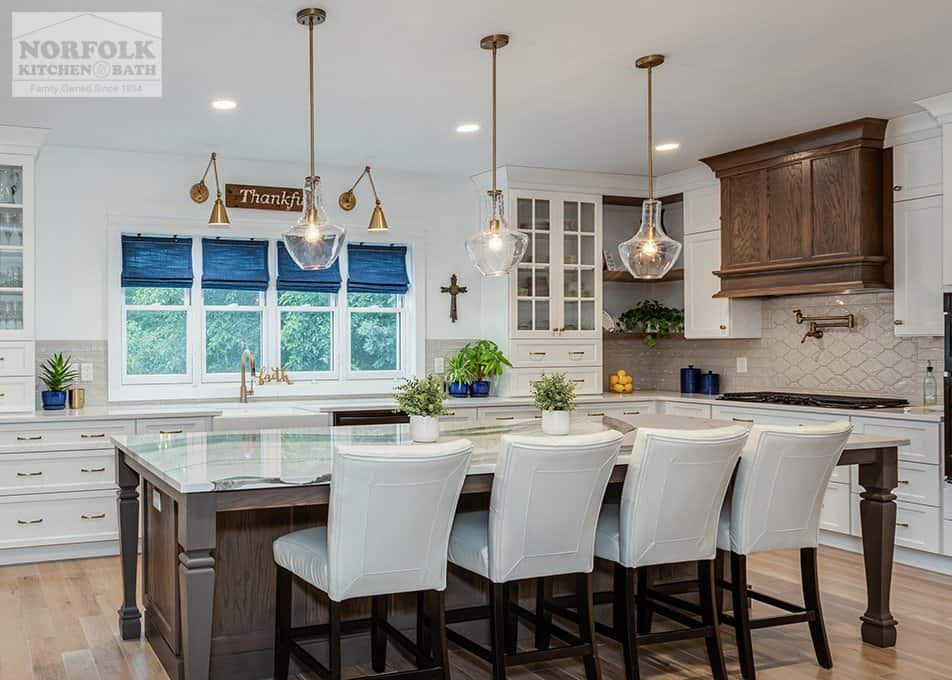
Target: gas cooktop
[(821, 400)]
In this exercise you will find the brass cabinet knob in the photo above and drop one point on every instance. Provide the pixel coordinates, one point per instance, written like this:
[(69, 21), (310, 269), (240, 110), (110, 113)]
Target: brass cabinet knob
[(723, 327), (897, 322), (898, 187)]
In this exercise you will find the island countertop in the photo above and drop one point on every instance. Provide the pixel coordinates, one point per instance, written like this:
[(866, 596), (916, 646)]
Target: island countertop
[(207, 461)]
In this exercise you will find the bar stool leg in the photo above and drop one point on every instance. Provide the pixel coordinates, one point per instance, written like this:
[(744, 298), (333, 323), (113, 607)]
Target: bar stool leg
[(719, 559), (645, 614), (512, 625), (543, 634), (624, 617), (741, 613), (437, 618), (282, 618), (712, 637), (378, 636), (586, 625), (333, 642), (422, 631), (811, 601), (497, 630)]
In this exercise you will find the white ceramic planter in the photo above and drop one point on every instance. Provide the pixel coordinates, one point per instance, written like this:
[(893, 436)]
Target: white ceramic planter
[(424, 429), (556, 422)]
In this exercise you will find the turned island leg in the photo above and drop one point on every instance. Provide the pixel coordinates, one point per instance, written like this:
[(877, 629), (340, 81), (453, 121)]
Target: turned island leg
[(197, 536), (878, 517), (130, 618)]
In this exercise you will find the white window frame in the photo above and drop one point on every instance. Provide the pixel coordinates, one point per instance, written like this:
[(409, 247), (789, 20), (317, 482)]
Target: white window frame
[(342, 381), (231, 376), (354, 374), (334, 373)]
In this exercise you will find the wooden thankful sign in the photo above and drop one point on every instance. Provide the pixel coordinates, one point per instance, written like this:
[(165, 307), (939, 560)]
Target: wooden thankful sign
[(258, 197)]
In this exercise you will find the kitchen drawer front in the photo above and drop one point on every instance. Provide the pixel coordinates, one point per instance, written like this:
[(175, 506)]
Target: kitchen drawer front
[(173, 425), (835, 513), (459, 415), (47, 519), (924, 438), (505, 413), (17, 358), (534, 353), (628, 413), (766, 416), (679, 408), (17, 395), (87, 432), (946, 499), (587, 380), (31, 473), (918, 483), (947, 537), (918, 527)]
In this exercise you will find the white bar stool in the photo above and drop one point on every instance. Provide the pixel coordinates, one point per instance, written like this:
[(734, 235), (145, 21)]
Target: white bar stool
[(775, 505), (388, 524), (546, 495)]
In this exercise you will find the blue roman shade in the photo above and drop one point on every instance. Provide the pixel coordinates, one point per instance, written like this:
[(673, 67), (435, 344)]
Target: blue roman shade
[(377, 269), (234, 265), (292, 277), (156, 262)]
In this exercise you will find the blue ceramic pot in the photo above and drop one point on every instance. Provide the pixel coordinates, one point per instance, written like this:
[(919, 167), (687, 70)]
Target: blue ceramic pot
[(459, 389), (479, 388), (53, 401)]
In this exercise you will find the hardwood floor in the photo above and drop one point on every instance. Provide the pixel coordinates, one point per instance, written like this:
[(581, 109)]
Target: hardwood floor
[(58, 620)]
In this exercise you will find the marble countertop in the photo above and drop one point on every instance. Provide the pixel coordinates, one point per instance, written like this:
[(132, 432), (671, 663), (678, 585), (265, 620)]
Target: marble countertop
[(171, 410), (207, 461)]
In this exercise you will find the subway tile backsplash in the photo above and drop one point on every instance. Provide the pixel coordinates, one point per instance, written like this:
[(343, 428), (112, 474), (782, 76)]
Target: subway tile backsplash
[(83, 352)]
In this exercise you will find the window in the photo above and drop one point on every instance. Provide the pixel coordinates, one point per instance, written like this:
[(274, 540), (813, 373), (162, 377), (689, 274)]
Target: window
[(156, 331), (374, 331), (307, 331), (233, 323)]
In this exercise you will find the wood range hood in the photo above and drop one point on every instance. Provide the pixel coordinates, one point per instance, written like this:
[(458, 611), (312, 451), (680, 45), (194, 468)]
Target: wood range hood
[(805, 214)]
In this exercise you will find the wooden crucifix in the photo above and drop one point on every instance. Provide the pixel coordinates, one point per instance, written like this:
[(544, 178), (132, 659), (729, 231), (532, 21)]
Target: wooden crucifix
[(453, 289)]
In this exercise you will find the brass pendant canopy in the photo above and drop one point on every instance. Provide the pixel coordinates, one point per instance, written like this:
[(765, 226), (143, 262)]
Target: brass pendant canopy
[(348, 201), (199, 194)]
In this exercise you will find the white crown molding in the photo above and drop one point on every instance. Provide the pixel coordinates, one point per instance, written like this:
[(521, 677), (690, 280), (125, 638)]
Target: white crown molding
[(698, 177), (18, 139), (939, 106), (912, 128)]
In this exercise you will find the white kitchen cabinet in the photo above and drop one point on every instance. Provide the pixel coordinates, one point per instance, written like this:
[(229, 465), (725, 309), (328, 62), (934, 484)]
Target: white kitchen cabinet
[(925, 438), (702, 208), (16, 246), (705, 316), (455, 414), (947, 537), (917, 269), (917, 169), (680, 408), (918, 527), (835, 512), (172, 426)]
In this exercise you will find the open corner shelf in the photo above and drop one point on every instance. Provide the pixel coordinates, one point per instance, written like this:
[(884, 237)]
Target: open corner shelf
[(626, 277)]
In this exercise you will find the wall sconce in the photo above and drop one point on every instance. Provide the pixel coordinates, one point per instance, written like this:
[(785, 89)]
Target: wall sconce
[(348, 201), (199, 194)]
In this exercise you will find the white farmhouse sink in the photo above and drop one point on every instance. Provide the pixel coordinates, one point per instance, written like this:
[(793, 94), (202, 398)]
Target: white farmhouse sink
[(265, 416)]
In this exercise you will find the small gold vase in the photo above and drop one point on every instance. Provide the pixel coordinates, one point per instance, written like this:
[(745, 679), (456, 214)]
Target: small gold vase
[(77, 398)]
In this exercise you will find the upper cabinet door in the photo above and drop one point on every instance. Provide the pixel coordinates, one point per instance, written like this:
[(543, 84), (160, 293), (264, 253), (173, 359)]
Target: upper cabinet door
[(744, 219), (918, 267), (581, 267), (16, 246), (704, 315), (702, 209), (917, 169), (534, 285)]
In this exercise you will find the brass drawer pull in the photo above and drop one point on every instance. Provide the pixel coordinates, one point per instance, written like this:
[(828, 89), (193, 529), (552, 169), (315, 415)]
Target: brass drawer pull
[(577, 353), (596, 414), (903, 481), (505, 417), (98, 435), (897, 322), (29, 437), (537, 354), (450, 413), (578, 380), (743, 420), (95, 469), (29, 474), (100, 515), (30, 521), (631, 413), (723, 327), (904, 525), (171, 431)]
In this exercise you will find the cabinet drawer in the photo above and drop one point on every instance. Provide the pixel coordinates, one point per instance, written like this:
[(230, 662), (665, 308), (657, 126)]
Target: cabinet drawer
[(172, 425), (582, 353), (503, 413), (587, 380), (947, 537), (88, 432), (917, 526), (17, 358), (46, 519), (678, 408), (835, 513), (17, 394), (766, 416), (918, 483), (26, 473), (459, 415), (923, 437)]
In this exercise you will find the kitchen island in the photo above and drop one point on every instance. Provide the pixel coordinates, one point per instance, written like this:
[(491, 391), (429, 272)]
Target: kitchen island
[(214, 502)]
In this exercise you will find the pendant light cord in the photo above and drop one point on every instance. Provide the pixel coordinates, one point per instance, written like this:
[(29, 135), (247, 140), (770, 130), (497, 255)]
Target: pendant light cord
[(494, 130), (310, 66), (650, 142)]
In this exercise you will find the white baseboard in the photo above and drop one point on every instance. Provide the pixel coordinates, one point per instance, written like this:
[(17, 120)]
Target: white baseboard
[(911, 558), (54, 553)]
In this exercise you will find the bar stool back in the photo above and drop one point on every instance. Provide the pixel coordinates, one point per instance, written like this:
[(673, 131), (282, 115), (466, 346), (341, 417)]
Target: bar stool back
[(389, 519)]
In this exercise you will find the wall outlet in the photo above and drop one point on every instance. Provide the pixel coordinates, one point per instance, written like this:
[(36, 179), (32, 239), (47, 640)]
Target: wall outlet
[(439, 365), (741, 364), (86, 372)]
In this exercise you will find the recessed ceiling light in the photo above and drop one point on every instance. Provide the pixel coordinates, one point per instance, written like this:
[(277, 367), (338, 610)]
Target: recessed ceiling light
[(224, 104), (467, 128), (668, 146)]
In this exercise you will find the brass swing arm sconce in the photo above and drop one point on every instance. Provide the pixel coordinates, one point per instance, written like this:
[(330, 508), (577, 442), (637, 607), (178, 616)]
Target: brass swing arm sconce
[(819, 323), (348, 201), (199, 194)]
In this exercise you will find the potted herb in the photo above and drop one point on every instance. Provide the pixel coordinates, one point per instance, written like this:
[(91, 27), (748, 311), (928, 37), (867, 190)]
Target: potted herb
[(488, 361), (555, 395), (459, 372), (422, 400), (653, 319), (56, 373)]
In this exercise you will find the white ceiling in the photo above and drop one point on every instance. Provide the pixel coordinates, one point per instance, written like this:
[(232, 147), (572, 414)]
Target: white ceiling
[(395, 78)]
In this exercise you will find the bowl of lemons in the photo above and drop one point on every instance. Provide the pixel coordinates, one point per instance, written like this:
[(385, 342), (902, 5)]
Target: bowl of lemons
[(620, 381)]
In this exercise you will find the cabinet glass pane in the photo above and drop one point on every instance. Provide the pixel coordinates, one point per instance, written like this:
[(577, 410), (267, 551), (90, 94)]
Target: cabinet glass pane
[(570, 249), (587, 288), (542, 316), (11, 311), (11, 184), (587, 249), (524, 321), (588, 218), (542, 215), (542, 282), (571, 315), (570, 289), (11, 269), (524, 282), (524, 214), (570, 218), (541, 248), (587, 316), (11, 226)]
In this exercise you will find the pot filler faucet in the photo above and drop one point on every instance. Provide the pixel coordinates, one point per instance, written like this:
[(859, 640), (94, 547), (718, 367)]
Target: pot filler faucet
[(247, 357)]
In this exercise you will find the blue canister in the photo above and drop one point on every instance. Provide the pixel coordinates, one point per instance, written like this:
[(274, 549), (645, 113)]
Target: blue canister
[(710, 383), (690, 380)]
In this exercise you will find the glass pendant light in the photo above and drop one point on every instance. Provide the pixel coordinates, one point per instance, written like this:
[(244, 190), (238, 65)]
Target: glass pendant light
[(496, 250), (650, 253), (314, 242)]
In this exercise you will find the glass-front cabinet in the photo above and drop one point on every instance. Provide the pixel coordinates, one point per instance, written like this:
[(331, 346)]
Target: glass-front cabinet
[(557, 287), (16, 246)]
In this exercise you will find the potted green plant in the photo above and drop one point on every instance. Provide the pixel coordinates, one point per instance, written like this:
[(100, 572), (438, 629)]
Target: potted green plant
[(422, 400), (488, 361), (653, 319), (555, 395), (56, 373), (459, 372)]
